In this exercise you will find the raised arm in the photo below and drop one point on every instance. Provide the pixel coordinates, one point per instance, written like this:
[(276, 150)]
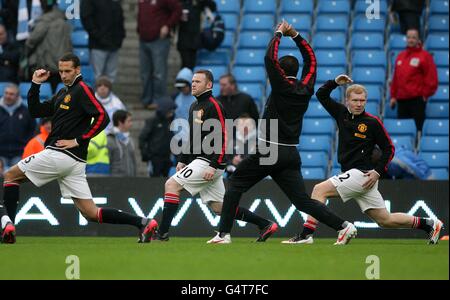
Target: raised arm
[(35, 107), (324, 95)]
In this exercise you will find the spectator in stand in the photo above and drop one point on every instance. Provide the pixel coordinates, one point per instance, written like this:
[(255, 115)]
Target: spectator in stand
[(120, 146), (189, 30), (235, 102), (154, 140), (111, 103), (98, 156), (183, 102), (104, 21), (9, 57), (156, 18), (414, 80), (17, 127), (36, 144), (409, 13), (49, 41)]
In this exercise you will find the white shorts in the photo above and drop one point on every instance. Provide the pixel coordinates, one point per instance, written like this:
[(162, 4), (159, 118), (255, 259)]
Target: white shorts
[(349, 186), (50, 165), (191, 179)]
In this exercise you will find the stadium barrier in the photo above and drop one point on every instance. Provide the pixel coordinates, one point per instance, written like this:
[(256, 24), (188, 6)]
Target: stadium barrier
[(42, 212)]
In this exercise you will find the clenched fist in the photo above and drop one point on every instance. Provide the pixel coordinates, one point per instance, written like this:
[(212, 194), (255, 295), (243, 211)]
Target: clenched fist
[(40, 76)]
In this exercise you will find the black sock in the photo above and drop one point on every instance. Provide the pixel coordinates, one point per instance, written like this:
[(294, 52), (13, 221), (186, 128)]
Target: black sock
[(243, 214), (230, 204), (308, 229), (115, 216), (171, 203), (424, 224), (11, 199)]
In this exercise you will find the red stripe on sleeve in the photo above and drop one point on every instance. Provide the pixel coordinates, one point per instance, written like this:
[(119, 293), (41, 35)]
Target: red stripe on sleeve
[(313, 66), (388, 137), (94, 129), (224, 131), (277, 63)]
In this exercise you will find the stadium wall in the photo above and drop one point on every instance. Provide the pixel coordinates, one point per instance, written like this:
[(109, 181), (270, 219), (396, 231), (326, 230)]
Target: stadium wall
[(42, 212)]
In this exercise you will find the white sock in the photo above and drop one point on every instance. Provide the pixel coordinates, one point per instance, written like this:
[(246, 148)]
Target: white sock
[(5, 220)]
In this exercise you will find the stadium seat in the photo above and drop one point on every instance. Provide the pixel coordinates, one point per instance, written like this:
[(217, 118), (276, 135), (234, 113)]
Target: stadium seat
[(405, 141), (438, 23), (373, 58), (290, 44), (258, 22), (335, 172), (77, 25), (440, 58), (435, 159), (361, 7), (393, 57), (260, 6), (314, 159), (253, 89), (216, 88), (325, 73), (172, 171), (333, 7), (439, 7), (400, 127), (319, 127), (313, 173), (435, 127), (329, 23), (59, 87), (367, 40), (374, 93), (88, 74), (316, 110), (250, 57), (228, 41), (300, 22), (331, 57), (389, 113), (252, 39), (213, 58), (324, 40), (441, 94), (439, 173), (249, 74), (45, 91), (443, 75), (315, 143), (228, 6), (373, 109), (336, 94), (3, 87), (83, 54), (397, 41), (216, 70), (371, 75), (335, 163), (231, 21), (437, 41), (291, 52), (437, 110), (64, 4), (80, 39), (297, 6), (362, 23), (434, 144)]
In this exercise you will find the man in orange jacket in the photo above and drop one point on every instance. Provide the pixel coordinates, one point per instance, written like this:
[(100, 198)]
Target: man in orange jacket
[(414, 80), (36, 144)]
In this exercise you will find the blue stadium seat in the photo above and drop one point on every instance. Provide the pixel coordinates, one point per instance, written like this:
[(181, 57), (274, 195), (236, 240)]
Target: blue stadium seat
[(59, 87), (316, 110), (438, 23), (361, 7), (336, 94), (314, 159), (435, 159), (441, 94), (45, 91), (290, 44), (216, 88), (400, 127), (253, 89), (434, 144), (372, 75), (77, 25), (440, 58), (335, 171), (319, 126), (313, 173), (2, 88), (231, 21), (250, 57), (325, 73), (64, 4), (373, 109), (437, 41), (216, 70), (335, 163), (362, 23), (435, 127), (88, 74), (333, 7), (300, 22), (438, 7), (172, 171), (228, 41), (367, 40), (374, 93), (80, 39), (213, 58), (443, 75), (375, 58), (405, 141), (327, 40), (437, 110), (249, 74), (258, 22), (439, 173), (253, 39), (291, 52), (329, 23), (393, 57), (228, 6), (397, 41), (331, 57), (315, 143), (297, 6), (260, 6), (389, 113), (83, 54)]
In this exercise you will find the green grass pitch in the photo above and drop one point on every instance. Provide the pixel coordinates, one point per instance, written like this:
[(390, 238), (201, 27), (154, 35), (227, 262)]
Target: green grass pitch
[(192, 258)]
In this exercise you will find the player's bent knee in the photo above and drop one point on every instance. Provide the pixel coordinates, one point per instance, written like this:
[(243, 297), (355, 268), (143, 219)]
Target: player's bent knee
[(171, 185)]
